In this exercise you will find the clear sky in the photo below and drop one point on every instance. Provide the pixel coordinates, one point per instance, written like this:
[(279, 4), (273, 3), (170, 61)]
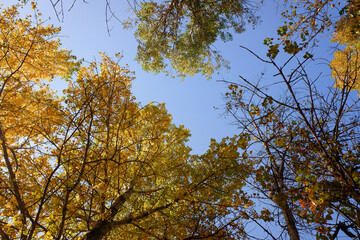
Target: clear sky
[(191, 102)]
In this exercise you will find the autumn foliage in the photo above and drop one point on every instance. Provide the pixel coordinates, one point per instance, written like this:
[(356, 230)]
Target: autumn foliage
[(93, 163)]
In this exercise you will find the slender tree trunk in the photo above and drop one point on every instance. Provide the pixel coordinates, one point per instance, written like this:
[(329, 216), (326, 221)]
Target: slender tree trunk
[(290, 222)]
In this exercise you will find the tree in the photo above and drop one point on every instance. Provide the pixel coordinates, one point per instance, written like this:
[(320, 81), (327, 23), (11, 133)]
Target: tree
[(305, 146), (94, 163), (185, 31), (29, 55)]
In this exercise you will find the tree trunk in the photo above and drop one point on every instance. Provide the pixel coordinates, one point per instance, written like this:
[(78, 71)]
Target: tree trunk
[(290, 222)]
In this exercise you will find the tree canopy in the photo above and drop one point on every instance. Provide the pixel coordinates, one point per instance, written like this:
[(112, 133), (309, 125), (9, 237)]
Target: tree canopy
[(96, 164)]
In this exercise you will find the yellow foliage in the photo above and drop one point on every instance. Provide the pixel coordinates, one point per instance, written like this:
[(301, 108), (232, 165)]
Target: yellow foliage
[(345, 65), (96, 159), (29, 54)]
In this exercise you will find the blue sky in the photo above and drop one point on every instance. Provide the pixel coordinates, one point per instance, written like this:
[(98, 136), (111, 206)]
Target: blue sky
[(192, 102)]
